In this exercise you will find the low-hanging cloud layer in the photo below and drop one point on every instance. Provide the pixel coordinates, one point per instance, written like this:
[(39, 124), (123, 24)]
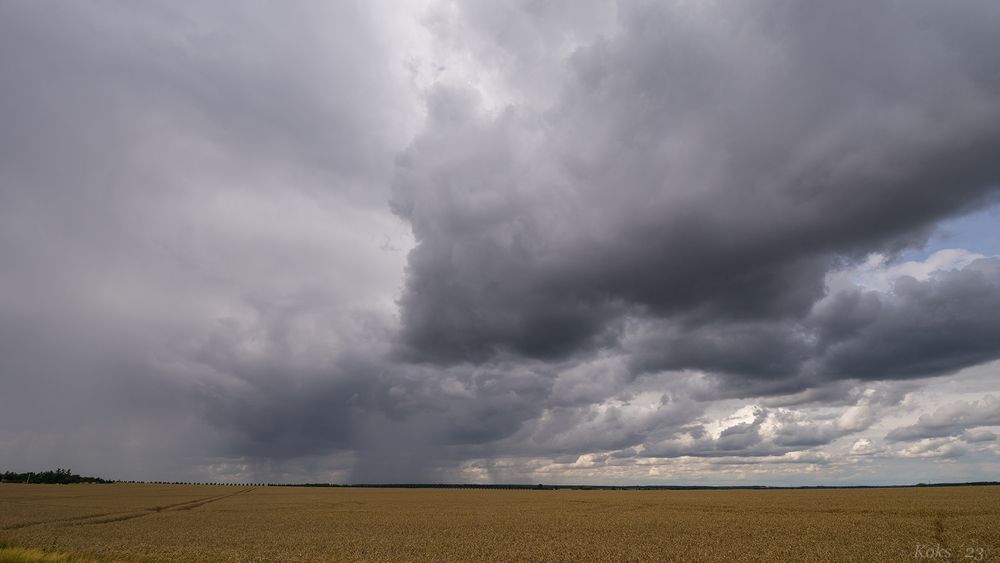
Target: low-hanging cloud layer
[(565, 241)]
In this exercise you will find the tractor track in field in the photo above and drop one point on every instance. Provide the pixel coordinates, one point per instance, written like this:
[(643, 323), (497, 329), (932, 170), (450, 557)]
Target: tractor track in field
[(108, 517), (54, 521)]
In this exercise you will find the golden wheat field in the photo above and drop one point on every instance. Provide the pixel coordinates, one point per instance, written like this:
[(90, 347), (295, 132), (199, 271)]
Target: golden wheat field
[(125, 522)]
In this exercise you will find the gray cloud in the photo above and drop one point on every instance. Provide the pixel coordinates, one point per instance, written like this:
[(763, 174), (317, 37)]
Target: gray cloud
[(977, 436), (960, 418), (767, 432), (624, 215), (700, 163), (918, 328), (190, 219), (922, 328), (941, 448)]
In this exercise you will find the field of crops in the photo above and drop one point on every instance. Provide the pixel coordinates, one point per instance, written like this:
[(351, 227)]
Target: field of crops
[(207, 523)]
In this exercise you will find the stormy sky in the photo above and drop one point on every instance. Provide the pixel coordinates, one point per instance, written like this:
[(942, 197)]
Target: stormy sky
[(531, 241)]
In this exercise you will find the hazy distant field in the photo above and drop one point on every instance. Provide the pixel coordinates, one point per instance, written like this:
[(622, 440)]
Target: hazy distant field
[(204, 523)]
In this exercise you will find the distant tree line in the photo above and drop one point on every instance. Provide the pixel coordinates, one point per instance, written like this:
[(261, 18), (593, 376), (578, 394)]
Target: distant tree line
[(65, 476), (541, 487), (57, 477)]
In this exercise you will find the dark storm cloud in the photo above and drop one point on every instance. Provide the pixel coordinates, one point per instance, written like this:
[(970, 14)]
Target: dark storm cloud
[(622, 212), (923, 328), (920, 328), (683, 195), (750, 350), (274, 395), (698, 162)]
